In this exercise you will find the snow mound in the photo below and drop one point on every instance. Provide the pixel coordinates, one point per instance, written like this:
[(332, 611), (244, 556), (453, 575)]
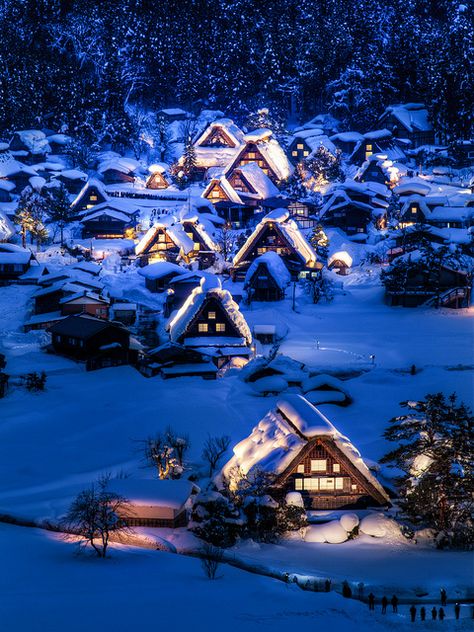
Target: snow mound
[(379, 526), (331, 532), (294, 499), (270, 384), (349, 521)]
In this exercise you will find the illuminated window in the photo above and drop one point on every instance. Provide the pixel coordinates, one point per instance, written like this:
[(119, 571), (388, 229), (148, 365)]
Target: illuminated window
[(211, 315), (300, 146), (190, 235), (310, 484), (251, 155), (300, 468), (220, 327), (196, 246), (326, 483), (336, 467), (261, 251), (306, 153), (354, 488), (339, 483), (369, 148), (294, 153), (161, 238), (413, 209), (215, 193), (93, 197), (298, 484), (318, 465), (203, 328)]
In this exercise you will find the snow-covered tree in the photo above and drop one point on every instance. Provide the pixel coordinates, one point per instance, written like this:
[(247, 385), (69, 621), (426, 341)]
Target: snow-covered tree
[(435, 454), (59, 207), (31, 214)]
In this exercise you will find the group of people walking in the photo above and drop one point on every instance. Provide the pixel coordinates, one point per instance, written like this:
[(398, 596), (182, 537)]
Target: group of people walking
[(436, 613)]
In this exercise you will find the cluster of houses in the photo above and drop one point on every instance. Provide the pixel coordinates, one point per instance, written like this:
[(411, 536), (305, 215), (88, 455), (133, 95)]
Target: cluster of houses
[(235, 216)]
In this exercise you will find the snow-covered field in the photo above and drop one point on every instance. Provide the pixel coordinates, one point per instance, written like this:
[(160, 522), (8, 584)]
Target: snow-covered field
[(54, 443), (45, 586)]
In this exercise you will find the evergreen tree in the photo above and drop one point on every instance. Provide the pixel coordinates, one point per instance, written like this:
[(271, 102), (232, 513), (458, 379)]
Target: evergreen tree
[(59, 208), (324, 167), (30, 215), (435, 454), (320, 241)]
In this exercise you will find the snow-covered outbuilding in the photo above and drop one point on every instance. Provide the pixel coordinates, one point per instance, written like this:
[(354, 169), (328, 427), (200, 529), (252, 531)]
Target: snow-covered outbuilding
[(158, 176), (91, 194), (306, 142), (378, 168), (119, 169), (7, 229), (14, 261), (73, 179), (13, 171), (158, 274), (411, 121), (279, 233), (107, 220), (211, 320), (305, 453), (267, 278), (30, 143)]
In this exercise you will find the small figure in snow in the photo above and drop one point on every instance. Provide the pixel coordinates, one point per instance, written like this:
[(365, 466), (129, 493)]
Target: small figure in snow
[(394, 602), (413, 614), (441, 614), (457, 610), (422, 613), (327, 585), (444, 596), (384, 604), (434, 613), (371, 601)]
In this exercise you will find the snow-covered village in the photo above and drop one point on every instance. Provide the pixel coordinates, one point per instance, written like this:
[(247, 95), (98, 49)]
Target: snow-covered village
[(236, 319)]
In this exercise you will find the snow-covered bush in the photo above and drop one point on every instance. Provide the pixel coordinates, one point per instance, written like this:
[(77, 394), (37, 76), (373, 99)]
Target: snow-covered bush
[(379, 526), (215, 519), (331, 532), (349, 521)]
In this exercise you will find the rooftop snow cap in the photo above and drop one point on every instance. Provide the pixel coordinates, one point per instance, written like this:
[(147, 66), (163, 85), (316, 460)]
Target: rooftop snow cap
[(210, 282)]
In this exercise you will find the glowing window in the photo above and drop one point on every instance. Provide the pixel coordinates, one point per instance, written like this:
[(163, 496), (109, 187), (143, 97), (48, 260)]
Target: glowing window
[(298, 484), (220, 327), (354, 488), (300, 146), (318, 465), (310, 484), (339, 483), (306, 153), (294, 153), (161, 237), (300, 468), (196, 245), (326, 483), (369, 148), (413, 209), (93, 197), (336, 467), (203, 328), (211, 315)]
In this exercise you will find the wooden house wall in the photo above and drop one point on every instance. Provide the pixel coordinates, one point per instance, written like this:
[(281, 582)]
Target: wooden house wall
[(216, 194), (350, 218), (104, 226), (163, 246), (217, 137), (11, 271), (373, 173), (71, 345), (299, 150), (157, 181), (346, 487), (263, 287), (211, 305), (113, 176), (90, 198), (99, 310), (239, 183), (251, 153), (413, 215)]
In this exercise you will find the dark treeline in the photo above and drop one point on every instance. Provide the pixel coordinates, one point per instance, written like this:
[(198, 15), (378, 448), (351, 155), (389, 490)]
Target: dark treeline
[(81, 61)]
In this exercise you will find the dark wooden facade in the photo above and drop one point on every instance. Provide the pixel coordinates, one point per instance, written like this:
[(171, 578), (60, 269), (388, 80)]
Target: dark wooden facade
[(298, 150), (350, 217), (83, 305), (217, 137), (90, 198), (157, 180), (115, 176), (413, 215), (454, 290), (251, 153), (262, 286), (161, 246), (105, 226), (373, 173), (211, 321), (327, 479)]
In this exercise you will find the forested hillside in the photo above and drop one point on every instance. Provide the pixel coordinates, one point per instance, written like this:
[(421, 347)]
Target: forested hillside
[(79, 62)]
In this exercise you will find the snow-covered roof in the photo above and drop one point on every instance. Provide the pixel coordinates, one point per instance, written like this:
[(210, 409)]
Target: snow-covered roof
[(281, 435), (228, 126), (347, 137), (378, 134), (73, 174), (210, 286), (175, 231), (158, 167), (11, 167), (7, 185), (208, 157), (412, 116), (160, 269), (412, 186), (258, 135), (153, 492), (93, 182), (392, 170), (7, 230), (451, 213), (204, 229), (420, 201), (226, 187), (340, 255), (276, 158), (34, 140), (122, 164), (59, 139), (275, 266), (259, 181), (11, 253), (289, 229), (105, 211)]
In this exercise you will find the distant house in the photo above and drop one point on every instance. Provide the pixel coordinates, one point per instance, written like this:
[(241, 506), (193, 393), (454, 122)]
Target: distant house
[(306, 142), (346, 141), (464, 153), (217, 145), (58, 142), (173, 114), (15, 172), (14, 262), (123, 312), (119, 169), (172, 360), (171, 239), (30, 144), (158, 274), (352, 206), (447, 286), (152, 502), (85, 302), (301, 451), (375, 142), (211, 321), (414, 211), (411, 121), (158, 178), (73, 179), (91, 194), (278, 233), (260, 147), (267, 278), (340, 262), (378, 168), (85, 337), (48, 299), (6, 187), (452, 217), (108, 220)]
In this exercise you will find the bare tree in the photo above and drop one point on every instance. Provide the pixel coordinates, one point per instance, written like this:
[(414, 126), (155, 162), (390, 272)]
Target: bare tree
[(179, 443), (211, 558), (160, 454), (95, 515), (214, 449)]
